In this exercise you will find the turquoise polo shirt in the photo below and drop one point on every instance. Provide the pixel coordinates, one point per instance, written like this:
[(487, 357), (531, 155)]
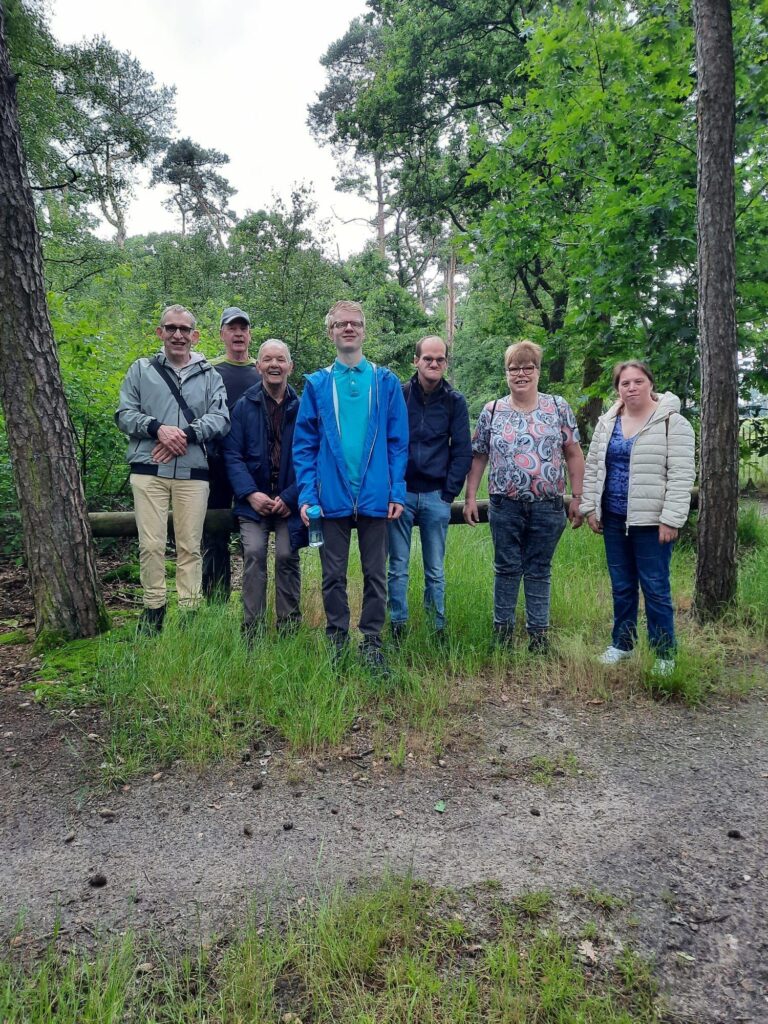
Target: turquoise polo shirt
[(352, 395)]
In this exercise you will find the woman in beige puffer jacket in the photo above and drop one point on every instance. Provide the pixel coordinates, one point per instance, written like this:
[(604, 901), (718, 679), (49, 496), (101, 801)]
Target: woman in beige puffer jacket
[(637, 492)]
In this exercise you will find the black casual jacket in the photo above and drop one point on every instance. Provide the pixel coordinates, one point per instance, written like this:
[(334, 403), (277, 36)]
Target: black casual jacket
[(440, 447)]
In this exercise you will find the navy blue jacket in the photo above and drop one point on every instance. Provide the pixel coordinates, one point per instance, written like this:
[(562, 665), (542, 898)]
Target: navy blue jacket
[(246, 456), (440, 445)]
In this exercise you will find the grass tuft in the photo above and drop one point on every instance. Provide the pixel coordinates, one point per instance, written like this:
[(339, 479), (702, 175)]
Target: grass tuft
[(389, 952), (196, 693)]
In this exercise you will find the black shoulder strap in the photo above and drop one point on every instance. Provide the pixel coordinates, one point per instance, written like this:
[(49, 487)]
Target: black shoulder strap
[(493, 413), (189, 416)]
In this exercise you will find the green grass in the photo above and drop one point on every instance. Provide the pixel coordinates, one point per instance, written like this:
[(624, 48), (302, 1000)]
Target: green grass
[(197, 694), (544, 770), (389, 953)]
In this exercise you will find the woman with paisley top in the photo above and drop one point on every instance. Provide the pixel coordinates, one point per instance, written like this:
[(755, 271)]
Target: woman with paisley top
[(527, 439)]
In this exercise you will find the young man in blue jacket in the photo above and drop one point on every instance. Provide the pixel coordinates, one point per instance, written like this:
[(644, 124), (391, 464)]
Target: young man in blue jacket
[(258, 457), (350, 450), (439, 457)]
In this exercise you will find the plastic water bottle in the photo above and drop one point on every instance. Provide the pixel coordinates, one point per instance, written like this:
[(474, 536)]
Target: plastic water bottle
[(314, 514)]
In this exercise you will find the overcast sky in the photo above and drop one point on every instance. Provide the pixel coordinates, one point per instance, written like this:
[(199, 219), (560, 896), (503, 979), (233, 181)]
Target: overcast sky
[(244, 72)]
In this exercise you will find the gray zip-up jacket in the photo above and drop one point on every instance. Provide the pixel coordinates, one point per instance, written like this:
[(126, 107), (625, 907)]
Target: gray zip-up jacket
[(146, 404)]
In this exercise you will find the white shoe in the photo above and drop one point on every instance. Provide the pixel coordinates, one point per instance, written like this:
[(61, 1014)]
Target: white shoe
[(663, 667), (613, 655)]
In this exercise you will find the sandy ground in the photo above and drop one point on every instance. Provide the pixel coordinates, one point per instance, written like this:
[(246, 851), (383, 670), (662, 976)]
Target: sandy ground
[(663, 806)]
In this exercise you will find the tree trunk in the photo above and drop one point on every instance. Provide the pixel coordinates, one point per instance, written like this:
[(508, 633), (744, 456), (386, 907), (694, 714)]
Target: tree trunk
[(56, 535), (716, 569), (450, 300), (380, 215), (590, 411)]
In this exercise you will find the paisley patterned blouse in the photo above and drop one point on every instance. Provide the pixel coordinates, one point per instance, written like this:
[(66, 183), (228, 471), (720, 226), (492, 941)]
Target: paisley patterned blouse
[(526, 450)]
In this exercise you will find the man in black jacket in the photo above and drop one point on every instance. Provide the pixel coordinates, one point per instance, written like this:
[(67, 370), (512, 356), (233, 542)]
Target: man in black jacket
[(439, 457), (239, 372)]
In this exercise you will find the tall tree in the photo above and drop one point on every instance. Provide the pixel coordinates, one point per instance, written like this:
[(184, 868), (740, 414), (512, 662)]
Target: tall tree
[(716, 569), (123, 120), (199, 193), (57, 539)]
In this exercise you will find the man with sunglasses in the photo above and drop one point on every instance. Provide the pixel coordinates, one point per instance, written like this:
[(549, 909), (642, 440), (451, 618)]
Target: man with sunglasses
[(171, 406), (350, 450), (439, 457)]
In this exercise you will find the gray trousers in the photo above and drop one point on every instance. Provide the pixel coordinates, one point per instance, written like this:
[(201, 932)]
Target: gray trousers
[(334, 557), (255, 538)]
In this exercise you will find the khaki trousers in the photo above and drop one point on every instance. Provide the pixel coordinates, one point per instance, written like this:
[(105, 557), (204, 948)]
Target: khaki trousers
[(152, 497)]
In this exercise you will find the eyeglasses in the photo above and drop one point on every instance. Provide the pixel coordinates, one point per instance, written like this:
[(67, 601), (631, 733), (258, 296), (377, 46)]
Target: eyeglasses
[(172, 328), (440, 360), (341, 324), (525, 371)]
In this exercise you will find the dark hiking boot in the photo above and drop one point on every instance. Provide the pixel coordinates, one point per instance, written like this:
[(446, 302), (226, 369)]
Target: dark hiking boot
[(289, 626), (151, 621), (339, 648), (504, 635), (373, 659), (253, 633), (398, 632), (538, 642)]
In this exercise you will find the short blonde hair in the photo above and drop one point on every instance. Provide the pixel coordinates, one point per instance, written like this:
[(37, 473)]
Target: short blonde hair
[(346, 303), (524, 350)]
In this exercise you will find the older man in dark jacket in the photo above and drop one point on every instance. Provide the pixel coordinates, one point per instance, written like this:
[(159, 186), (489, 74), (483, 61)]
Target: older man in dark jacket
[(258, 456), (439, 457)]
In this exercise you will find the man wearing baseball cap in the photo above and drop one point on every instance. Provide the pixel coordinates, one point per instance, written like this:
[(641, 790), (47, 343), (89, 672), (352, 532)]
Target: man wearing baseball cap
[(238, 371)]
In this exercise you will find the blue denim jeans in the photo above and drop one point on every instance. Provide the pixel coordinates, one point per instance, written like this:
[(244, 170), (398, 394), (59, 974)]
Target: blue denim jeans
[(431, 514), (525, 535), (636, 560)]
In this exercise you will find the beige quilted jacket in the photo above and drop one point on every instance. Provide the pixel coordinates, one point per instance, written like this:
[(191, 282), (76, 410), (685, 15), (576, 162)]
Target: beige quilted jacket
[(661, 467)]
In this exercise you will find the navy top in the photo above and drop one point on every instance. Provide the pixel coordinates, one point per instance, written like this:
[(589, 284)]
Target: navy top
[(617, 471)]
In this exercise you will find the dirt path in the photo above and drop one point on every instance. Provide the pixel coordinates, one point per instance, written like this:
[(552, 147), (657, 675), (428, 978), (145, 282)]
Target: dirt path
[(645, 815)]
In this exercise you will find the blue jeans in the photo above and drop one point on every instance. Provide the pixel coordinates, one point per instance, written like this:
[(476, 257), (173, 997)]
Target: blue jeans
[(525, 535), (431, 514), (637, 559)]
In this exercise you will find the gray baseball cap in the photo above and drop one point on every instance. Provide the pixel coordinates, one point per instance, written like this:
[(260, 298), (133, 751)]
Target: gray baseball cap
[(233, 313)]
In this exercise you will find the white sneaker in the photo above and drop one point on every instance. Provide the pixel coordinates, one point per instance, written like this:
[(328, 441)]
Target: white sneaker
[(613, 655), (663, 667)]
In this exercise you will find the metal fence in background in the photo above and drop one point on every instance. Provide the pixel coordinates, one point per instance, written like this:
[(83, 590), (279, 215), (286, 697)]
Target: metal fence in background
[(753, 465)]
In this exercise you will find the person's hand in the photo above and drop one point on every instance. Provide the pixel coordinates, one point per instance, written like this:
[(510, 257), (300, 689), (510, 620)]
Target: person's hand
[(471, 514), (261, 503), (394, 510), (303, 514), (593, 524), (174, 439), (279, 508), (162, 454), (575, 517), (667, 533)]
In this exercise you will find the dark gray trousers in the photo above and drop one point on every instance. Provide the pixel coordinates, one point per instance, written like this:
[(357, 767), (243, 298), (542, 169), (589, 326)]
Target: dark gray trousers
[(255, 537), (334, 557)]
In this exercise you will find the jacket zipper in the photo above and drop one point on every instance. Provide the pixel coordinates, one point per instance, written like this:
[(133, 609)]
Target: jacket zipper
[(370, 450), (645, 427)]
